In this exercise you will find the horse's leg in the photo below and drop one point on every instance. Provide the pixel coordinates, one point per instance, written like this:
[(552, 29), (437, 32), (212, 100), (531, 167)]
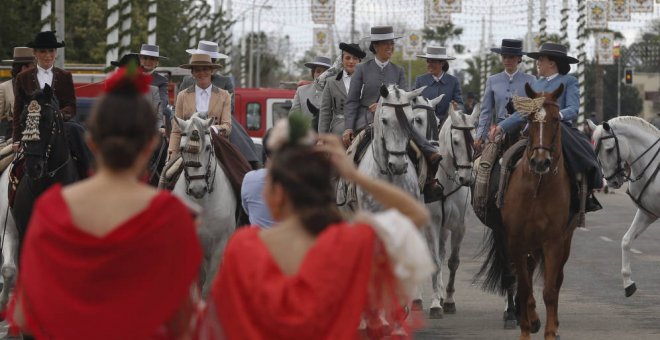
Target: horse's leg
[(524, 291), (532, 260), (453, 263), (639, 224), (554, 258), (9, 255), (440, 239)]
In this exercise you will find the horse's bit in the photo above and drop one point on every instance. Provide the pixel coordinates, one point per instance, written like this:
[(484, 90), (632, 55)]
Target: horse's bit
[(209, 175)]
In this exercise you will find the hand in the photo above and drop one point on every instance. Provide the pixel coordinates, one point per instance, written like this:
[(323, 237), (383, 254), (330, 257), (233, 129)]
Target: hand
[(509, 107), (455, 105), (372, 107), (162, 131), (331, 145), (478, 144), (347, 137), (495, 133)]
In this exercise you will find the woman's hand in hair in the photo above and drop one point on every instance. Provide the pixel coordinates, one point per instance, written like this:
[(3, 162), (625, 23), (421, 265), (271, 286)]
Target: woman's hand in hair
[(333, 146)]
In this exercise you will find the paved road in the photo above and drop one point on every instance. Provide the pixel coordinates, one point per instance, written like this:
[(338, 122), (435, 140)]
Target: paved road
[(592, 304)]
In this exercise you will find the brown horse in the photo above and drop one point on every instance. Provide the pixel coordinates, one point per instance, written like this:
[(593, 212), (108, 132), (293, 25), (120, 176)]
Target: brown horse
[(537, 226)]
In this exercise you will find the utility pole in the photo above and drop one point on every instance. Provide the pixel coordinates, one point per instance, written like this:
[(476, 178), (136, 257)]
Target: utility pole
[(59, 27), (353, 21), (259, 43), (251, 63)]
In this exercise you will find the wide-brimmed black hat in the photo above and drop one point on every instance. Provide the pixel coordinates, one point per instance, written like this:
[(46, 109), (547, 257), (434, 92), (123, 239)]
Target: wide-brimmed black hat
[(353, 49), (557, 51), (125, 59), (45, 39), (510, 47)]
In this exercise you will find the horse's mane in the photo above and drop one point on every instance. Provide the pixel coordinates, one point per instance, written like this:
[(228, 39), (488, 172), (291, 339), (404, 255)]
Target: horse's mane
[(635, 121)]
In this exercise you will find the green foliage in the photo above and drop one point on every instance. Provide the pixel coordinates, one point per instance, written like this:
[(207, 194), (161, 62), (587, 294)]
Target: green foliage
[(631, 101), (472, 82), (19, 23), (299, 126)]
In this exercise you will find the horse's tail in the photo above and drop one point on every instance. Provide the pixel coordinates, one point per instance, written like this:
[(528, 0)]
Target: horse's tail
[(496, 269)]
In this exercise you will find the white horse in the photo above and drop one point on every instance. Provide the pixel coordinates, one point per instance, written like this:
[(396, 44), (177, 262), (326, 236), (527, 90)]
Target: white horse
[(448, 214), (9, 241), (386, 157), (631, 144), (204, 182)]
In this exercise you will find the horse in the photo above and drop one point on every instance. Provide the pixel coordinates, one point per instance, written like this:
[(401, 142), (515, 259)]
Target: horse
[(205, 183), (386, 156), (448, 214), (537, 226), (628, 149), (46, 152), (9, 241)]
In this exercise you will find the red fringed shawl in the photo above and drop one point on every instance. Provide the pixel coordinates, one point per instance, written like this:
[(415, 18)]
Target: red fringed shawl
[(124, 285)]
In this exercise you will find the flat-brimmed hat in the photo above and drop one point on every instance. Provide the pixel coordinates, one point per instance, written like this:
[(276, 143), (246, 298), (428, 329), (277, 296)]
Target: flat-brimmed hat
[(22, 55), (353, 49), (381, 33), (45, 39), (151, 51), (510, 47), (125, 59), (553, 50), (319, 61), (207, 47), (200, 59), (436, 52)]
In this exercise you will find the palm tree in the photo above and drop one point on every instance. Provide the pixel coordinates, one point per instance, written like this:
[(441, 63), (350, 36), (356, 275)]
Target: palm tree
[(442, 34)]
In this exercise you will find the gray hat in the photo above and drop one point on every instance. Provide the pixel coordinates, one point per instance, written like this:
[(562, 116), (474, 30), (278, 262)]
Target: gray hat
[(22, 55), (207, 47), (436, 52), (151, 51), (380, 33), (319, 61)]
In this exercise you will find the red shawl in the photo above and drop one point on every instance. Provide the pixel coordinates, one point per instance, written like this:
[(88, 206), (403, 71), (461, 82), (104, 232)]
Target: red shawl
[(324, 300), (124, 285)]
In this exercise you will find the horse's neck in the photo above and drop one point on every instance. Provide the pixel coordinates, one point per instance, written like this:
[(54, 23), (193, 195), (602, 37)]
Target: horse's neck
[(377, 147), (639, 141)]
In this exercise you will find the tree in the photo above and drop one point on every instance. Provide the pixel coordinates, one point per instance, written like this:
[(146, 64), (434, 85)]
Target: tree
[(20, 20), (631, 101), (272, 67), (472, 83), (442, 34)]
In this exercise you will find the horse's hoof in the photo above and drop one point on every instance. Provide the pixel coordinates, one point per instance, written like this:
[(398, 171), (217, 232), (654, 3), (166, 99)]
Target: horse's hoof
[(557, 337), (449, 308), (435, 313), (417, 305), (536, 325), (510, 324), (630, 290)]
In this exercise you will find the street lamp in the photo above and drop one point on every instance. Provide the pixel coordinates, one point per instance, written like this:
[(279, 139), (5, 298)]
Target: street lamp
[(258, 75)]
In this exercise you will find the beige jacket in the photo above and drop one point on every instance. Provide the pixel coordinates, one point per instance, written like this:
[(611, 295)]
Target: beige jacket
[(6, 100), (219, 110)]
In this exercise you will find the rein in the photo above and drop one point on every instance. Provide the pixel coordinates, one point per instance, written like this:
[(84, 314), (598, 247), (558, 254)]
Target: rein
[(208, 176), (400, 114)]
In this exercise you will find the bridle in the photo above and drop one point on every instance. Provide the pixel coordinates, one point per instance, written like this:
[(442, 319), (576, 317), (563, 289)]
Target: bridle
[(541, 121), (56, 128), (400, 115), (209, 175)]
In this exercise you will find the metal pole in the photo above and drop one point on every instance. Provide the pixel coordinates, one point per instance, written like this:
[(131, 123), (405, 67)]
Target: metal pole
[(582, 56), (251, 64), (564, 23), (542, 23), (258, 51), (46, 11), (352, 21), (618, 86), (59, 27), (125, 29), (151, 28), (112, 38), (409, 74)]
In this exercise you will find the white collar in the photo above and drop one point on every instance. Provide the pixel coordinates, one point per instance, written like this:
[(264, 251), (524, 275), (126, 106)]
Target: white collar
[(438, 78), (381, 64), (511, 75), (549, 78), (42, 70), (199, 90), (346, 75)]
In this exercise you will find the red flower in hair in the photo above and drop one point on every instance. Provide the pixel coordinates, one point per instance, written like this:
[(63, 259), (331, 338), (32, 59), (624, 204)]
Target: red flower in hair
[(129, 78)]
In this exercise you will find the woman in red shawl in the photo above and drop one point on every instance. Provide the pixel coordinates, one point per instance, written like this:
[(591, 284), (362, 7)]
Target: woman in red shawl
[(315, 275), (110, 257)]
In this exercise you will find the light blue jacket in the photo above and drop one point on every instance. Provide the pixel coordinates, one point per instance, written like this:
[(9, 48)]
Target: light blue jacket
[(499, 89), (569, 101), (448, 85)]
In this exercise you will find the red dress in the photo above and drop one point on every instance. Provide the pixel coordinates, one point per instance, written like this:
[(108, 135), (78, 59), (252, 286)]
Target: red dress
[(343, 275), (124, 285)]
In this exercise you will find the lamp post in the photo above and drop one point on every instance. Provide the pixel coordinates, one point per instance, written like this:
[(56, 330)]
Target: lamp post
[(258, 75)]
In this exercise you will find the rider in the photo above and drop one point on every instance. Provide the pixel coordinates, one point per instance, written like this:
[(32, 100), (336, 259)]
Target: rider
[(149, 60), (308, 92), (553, 65), (438, 82), (23, 60), (500, 88), (364, 93)]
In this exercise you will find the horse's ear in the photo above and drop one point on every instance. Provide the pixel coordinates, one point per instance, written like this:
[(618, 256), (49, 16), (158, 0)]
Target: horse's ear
[(528, 90), (556, 93), (591, 124), (208, 122), (476, 112), (384, 92), (435, 101), (48, 91), (415, 93), (453, 115), (607, 127), (179, 122)]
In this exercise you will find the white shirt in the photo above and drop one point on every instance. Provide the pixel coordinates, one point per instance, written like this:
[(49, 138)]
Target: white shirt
[(511, 75), (347, 80), (202, 98), (44, 76), (438, 78), (381, 64), (549, 78)]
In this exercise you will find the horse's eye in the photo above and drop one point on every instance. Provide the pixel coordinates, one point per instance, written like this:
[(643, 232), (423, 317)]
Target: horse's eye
[(455, 142), (418, 120), (384, 121), (609, 150), (208, 148)]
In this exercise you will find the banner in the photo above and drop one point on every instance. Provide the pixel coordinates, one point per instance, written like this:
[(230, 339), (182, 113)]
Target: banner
[(641, 6), (323, 11), (322, 41), (434, 16), (412, 45), (619, 10), (449, 6), (605, 48), (597, 14)]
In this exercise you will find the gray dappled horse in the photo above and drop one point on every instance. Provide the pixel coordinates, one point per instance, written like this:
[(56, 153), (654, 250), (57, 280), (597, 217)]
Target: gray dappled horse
[(204, 183)]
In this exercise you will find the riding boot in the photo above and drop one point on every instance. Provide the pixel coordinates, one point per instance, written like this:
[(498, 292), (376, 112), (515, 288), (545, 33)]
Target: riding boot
[(433, 190), (592, 204)]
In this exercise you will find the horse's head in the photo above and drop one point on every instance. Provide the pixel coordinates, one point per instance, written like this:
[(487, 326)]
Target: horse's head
[(612, 153), (424, 115), (459, 139), (544, 145), (390, 138), (42, 122), (197, 153)]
